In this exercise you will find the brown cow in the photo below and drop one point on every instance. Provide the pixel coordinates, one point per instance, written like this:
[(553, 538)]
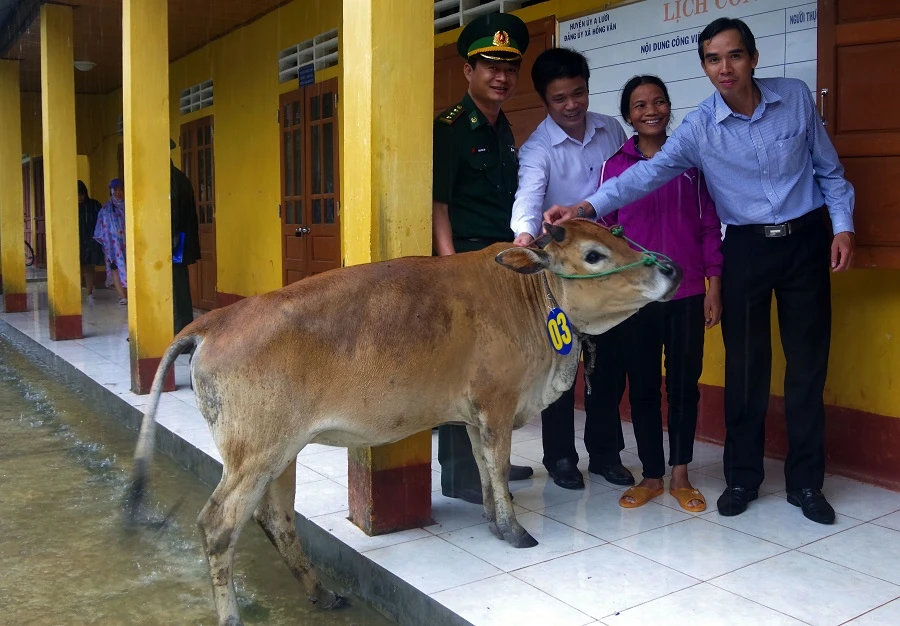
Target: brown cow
[(368, 355)]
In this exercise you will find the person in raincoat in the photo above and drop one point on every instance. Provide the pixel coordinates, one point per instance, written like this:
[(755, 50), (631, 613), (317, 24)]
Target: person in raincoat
[(110, 232)]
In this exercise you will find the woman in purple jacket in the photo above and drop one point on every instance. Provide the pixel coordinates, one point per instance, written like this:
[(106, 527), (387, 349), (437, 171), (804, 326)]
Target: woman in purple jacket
[(690, 235)]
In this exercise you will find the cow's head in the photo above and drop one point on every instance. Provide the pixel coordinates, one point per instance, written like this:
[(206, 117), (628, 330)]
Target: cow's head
[(595, 276)]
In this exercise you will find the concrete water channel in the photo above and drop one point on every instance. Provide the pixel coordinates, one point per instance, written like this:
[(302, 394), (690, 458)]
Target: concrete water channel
[(66, 556)]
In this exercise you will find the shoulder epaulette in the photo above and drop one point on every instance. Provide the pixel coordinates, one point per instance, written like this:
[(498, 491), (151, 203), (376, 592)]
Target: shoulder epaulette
[(451, 115)]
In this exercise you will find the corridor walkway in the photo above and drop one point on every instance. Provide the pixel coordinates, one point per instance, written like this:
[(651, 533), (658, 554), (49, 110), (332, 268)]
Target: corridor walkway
[(596, 563)]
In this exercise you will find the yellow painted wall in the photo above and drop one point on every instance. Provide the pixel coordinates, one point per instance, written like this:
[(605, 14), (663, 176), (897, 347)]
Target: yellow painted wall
[(84, 170), (244, 69), (96, 137), (104, 154), (32, 139)]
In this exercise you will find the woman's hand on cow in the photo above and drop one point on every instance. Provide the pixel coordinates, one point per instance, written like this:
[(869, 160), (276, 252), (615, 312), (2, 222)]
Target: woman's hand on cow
[(523, 240), (712, 303)]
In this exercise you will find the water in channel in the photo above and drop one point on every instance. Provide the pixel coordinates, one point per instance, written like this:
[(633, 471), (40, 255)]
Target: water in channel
[(65, 557)]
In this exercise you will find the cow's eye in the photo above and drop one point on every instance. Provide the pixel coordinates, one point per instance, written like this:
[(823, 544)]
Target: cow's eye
[(593, 257)]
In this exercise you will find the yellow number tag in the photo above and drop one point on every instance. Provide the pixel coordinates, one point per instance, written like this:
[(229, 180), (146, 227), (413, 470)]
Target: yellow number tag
[(559, 331)]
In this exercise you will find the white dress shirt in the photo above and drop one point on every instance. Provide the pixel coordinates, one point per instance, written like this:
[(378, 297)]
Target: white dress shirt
[(556, 169)]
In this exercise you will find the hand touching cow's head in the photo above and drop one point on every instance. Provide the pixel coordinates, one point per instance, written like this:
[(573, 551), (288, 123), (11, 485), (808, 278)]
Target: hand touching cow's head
[(595, 275)]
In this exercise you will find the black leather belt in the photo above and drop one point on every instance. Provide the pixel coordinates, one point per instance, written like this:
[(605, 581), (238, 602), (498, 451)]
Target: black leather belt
[(816, 216)]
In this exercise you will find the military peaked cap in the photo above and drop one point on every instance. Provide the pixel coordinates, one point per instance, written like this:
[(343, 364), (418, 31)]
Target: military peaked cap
[(495, 36)]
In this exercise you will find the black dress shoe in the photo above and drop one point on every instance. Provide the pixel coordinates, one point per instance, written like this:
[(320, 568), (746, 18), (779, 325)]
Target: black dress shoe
[(520, 472), (614, 473), (469, 495), (734, 500), (566, 475), (814, 505)]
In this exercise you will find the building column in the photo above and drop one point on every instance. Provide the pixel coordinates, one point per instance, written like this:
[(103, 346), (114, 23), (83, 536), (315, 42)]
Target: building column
[(60, 172), (386, 212), (145, 104), (12, 229)]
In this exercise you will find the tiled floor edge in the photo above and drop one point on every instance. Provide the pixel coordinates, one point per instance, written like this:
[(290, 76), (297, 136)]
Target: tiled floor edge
[(384, 590)]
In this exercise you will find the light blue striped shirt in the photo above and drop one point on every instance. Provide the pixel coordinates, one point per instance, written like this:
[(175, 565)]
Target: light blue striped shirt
[(767, 169)]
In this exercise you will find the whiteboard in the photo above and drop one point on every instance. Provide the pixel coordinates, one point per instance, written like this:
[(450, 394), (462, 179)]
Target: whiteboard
[(660, 37)]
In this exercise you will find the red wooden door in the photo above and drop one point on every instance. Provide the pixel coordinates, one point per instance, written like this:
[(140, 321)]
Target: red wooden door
[(292, 117), (198, 164), (323, 245), (310, 184), (859, 49)]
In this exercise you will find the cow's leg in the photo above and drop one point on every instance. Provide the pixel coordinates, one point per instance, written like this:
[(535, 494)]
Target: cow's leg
[(495, 445), (275, 514), (220, 522), (487, 490)]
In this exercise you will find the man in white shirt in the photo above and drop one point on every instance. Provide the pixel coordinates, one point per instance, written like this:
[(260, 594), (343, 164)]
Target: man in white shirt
[(560, 164)]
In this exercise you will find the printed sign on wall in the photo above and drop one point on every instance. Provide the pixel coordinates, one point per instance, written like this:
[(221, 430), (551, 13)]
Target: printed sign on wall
[(660, 37)]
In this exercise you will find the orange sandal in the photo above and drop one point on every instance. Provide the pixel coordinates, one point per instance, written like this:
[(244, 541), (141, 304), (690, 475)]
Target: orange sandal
[(685, 495), (641, 495)]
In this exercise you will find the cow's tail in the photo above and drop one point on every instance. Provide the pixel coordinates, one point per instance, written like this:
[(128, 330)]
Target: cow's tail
[(137, 489)]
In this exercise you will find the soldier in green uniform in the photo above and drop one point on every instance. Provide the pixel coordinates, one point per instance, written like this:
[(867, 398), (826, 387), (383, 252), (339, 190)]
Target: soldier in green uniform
[(475, 179)]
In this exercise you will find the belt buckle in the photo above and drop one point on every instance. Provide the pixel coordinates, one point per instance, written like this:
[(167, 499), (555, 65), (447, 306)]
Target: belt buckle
[(777, 230)]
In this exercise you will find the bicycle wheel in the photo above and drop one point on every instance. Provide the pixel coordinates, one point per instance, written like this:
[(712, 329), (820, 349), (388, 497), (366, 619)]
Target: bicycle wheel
[(29, 255)]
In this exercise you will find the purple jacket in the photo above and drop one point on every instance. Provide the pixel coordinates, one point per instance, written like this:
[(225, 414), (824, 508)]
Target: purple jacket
[(678, 219)]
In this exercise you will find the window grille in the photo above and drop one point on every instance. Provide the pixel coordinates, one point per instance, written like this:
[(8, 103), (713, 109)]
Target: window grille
[(450, 14), (196, 97), (321, 51)]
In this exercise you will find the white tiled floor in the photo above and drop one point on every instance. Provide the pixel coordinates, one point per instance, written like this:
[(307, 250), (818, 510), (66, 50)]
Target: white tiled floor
[(596, 563)]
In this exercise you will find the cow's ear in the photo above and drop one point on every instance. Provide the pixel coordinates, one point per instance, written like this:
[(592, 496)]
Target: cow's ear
[(557, 232), (524, 260), (542, 241)]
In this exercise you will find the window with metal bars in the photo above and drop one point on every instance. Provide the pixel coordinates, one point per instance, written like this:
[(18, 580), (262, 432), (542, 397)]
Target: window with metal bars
[(321, 51)]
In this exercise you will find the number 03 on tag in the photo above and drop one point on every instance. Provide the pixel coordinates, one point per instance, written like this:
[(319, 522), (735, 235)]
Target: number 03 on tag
[(559, 331)]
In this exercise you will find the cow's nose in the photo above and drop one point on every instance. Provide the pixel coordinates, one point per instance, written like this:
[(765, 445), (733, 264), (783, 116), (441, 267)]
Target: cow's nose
[(670, 269)]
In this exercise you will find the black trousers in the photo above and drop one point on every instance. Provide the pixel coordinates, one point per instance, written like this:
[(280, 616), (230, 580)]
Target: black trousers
[(796, 269), (602, 428), (458, 467), (676, 329), (181, 297)]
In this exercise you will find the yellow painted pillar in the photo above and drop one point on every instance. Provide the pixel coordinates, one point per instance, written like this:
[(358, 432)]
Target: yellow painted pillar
[(60, 172), (386, 212), (145, 104), (12, 229)]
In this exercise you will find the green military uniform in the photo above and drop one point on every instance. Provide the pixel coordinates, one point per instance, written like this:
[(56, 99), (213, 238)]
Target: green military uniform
[(476, 175)]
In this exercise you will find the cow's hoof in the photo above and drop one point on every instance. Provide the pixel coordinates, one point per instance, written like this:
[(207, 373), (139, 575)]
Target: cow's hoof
[(339, 602), (524, 540), (495, 530), (329, 600)]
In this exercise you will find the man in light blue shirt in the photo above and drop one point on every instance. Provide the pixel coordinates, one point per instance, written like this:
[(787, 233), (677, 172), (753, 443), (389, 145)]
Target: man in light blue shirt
[(560, 164), (770, 168)]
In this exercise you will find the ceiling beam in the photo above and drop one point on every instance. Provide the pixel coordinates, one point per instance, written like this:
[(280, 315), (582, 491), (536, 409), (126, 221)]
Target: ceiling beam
[(20, 18)]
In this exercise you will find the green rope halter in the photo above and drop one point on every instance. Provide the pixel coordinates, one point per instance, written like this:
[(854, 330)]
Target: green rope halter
[(649, 258)]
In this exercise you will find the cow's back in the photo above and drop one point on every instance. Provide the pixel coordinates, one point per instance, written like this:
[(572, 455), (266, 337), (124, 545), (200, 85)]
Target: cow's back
[(387, 340)]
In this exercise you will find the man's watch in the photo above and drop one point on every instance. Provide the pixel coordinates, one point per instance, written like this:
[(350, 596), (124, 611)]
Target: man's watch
[(580, 212)]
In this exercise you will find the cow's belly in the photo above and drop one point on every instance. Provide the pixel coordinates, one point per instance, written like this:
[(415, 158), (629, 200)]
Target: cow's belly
[(374, 429), (356, 439)]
